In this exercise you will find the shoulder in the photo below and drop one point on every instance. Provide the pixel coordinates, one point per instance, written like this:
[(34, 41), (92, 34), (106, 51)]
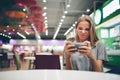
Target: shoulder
[(99, 43)]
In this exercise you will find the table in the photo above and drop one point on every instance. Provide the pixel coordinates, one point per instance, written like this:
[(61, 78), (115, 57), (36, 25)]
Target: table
[(56, 75)]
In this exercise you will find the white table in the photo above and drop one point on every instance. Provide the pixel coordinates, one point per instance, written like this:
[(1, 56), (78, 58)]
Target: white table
[(56, 75)]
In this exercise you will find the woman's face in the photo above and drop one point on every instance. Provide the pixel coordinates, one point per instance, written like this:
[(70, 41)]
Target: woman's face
[(83, 30)]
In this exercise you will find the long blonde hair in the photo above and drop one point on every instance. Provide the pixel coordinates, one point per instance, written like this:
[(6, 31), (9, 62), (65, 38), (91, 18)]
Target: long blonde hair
[(93, 38)]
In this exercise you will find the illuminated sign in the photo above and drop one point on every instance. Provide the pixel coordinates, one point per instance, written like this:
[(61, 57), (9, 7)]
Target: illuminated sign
[(111, 7), (97, 17)]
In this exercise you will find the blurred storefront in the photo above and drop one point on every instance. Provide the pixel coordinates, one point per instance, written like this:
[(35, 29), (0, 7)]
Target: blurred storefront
[(107, 20)]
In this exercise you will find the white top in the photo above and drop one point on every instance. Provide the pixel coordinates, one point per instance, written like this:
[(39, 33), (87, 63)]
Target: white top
[(56, 75)]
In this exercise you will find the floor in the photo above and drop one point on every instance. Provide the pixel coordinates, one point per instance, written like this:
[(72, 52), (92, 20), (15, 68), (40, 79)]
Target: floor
[(13, 66), (25, 66)]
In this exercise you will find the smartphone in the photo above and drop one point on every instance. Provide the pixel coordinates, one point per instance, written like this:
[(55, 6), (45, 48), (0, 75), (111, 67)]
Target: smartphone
[(78, 44)]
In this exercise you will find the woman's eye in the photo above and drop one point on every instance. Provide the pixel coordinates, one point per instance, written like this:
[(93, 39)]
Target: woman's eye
[(80, 28), (87, 29)]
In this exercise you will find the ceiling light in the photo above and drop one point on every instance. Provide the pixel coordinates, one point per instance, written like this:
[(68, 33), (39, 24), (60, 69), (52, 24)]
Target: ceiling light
[(45, 17), (4, 30), (88, 10), (83, 15), (62, 20), (46, 26), (56, 32), (44, 14), (45, 8), (9, 37), (46, 21), (19, 25), (13, 29), (38, 37), (20, 4), (36, 32), (26, 16), (60, 23), (65, 12), (9, 33), (24, 9), (75, 22), (27, 33), (3, 34), (21, 35), (8, 26), (44, 1), (73, 25), (46, 32), (32, 24), (63, 16), (68, 5), (68, 31)]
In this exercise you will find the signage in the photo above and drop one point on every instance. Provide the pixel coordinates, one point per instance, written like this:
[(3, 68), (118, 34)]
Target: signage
[(111, 7), (104, 33), (97, 16)]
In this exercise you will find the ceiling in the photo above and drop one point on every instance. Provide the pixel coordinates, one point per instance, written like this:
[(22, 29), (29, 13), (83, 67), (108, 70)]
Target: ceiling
[(54, 13)]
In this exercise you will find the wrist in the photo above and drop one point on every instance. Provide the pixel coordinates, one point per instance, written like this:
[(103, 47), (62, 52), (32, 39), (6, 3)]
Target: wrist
[(91, 57), (68, 55)]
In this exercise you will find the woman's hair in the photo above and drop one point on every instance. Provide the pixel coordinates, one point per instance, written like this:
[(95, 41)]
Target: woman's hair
[(93, 38)]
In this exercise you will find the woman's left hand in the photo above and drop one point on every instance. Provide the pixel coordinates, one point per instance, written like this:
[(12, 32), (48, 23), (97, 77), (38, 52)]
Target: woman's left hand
[(86, 49)]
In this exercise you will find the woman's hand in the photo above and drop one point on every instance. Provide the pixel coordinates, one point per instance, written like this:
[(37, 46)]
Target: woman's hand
[(69, 48), (86, 49), (97, 64)]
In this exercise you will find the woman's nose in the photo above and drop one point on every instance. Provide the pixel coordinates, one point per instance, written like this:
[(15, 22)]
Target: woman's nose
[(83, 31)]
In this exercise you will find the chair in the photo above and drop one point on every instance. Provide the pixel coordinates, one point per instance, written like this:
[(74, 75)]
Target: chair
[(47, 62)]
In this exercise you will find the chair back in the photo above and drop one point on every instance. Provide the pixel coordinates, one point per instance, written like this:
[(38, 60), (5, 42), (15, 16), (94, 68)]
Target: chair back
[(47, 62)]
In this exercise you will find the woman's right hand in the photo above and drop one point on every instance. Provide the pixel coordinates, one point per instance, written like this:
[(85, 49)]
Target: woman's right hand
[(69, 48)]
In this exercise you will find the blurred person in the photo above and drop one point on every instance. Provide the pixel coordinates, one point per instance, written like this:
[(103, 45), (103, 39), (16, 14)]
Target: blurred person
[(52, 51), (85, 58)]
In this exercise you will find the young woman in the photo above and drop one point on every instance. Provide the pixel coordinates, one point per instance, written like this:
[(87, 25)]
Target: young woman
[(90, 57)]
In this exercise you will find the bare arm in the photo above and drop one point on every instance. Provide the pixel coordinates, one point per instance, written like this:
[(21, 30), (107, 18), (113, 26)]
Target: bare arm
[(68, 52), (97, 64), (68, 62)]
